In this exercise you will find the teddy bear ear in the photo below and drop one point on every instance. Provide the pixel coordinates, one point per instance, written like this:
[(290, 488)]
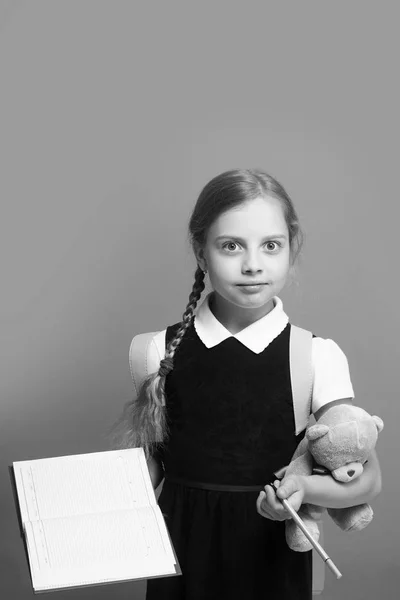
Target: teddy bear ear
[(316, 431), (378, 422)]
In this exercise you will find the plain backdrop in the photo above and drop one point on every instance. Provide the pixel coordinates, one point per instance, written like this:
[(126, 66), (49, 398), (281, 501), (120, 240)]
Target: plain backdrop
[(113, 116)]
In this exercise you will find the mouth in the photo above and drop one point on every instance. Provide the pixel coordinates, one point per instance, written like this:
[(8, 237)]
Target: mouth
[(251, 288), (256, 283)]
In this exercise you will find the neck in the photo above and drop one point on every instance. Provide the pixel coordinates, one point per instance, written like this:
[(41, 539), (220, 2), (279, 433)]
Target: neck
[(234, 318)]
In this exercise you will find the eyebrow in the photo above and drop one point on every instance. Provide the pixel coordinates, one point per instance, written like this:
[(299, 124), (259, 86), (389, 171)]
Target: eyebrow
[(239, 239)]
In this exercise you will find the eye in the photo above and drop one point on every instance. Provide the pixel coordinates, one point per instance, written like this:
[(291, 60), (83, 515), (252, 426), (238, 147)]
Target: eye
[(273, 246), (228, 246)]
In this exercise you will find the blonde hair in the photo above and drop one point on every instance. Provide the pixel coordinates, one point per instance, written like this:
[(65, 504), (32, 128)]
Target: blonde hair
[(143, 422)]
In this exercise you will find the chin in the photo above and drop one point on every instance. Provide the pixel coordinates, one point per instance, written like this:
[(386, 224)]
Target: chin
[(253, 300)]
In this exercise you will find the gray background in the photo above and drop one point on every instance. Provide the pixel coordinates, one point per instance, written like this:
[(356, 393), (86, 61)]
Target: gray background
[(113, 116)]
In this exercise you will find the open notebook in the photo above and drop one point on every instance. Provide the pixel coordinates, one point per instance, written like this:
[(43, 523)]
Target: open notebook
[(91, 519)]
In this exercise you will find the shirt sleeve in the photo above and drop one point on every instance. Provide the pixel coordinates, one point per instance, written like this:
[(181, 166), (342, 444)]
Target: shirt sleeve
[(144, 356), (331, 373)]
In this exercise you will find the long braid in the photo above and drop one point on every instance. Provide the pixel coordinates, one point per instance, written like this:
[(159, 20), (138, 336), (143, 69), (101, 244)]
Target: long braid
[(166, 365), (143, 422)]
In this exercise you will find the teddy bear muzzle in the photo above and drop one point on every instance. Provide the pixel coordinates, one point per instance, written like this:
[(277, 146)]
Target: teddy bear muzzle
[(348, 472)]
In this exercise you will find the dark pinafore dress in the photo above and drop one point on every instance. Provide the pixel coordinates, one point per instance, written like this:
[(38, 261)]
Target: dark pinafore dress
[(231, 420)]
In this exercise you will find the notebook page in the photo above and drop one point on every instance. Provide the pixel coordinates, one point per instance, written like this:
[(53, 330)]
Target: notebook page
[(83, 484), (99, 547)]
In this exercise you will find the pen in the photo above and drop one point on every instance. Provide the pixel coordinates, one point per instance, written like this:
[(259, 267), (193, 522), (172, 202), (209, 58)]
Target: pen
[(328, 561)]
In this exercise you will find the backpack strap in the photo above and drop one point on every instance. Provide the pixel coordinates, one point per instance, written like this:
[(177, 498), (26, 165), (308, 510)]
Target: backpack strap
[(144, 359), (302, 381), (301, 375)]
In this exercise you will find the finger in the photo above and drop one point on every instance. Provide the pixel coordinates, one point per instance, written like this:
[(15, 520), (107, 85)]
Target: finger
[(260, 504), (287, 488), (291, 490), (263, 507), (260, 498), (263, 503), (272, 496), (275, 484), (273, 506), (278, 507)]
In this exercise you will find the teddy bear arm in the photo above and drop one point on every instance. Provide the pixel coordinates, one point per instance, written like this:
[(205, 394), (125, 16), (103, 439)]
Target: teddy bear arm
[(295, 538), (352, 518), (302, 465), (302, 448)]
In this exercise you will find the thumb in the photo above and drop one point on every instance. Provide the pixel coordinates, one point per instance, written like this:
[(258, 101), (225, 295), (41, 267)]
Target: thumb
[(287, 488)]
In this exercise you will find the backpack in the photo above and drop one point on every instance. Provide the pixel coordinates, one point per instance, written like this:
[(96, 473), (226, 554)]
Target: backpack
[(141, 365)]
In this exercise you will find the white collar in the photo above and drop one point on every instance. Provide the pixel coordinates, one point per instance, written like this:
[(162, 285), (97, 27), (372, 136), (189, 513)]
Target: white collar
[(255, 337)]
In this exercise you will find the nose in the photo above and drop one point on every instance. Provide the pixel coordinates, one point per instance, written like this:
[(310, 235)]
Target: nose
[(252, 263)]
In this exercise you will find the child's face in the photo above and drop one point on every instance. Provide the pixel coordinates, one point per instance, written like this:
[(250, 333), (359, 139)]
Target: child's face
[(254, 247)]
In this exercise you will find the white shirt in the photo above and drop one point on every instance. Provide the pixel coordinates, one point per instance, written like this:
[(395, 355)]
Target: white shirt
[(331, 376)]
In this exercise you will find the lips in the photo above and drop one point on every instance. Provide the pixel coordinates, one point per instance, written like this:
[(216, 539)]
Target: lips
[(251, 284), (251, 288)]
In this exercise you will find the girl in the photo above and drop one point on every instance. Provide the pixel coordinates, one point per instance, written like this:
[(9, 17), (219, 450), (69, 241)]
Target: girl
[(216, 420)]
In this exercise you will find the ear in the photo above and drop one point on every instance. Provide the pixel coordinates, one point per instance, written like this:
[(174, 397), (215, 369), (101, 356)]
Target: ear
[(316, 431), (378, 423)]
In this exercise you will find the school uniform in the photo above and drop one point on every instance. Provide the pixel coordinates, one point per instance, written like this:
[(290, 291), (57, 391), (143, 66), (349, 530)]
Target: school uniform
[(231, 422)]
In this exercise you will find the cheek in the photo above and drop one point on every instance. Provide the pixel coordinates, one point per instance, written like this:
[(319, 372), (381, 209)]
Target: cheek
[(281, 266), (221, 267)]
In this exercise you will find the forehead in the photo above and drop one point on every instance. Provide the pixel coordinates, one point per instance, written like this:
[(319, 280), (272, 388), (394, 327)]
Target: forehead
[(259, 217)]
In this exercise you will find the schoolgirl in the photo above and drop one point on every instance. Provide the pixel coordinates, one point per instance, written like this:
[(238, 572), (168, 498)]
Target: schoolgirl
[(216, 417)]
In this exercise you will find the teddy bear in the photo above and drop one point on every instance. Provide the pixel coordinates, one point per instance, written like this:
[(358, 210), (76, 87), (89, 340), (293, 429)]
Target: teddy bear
[(341, 441)]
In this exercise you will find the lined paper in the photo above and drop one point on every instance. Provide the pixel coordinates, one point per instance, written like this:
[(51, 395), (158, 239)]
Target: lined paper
[(82, 540), (84, 484), (92, 518)]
